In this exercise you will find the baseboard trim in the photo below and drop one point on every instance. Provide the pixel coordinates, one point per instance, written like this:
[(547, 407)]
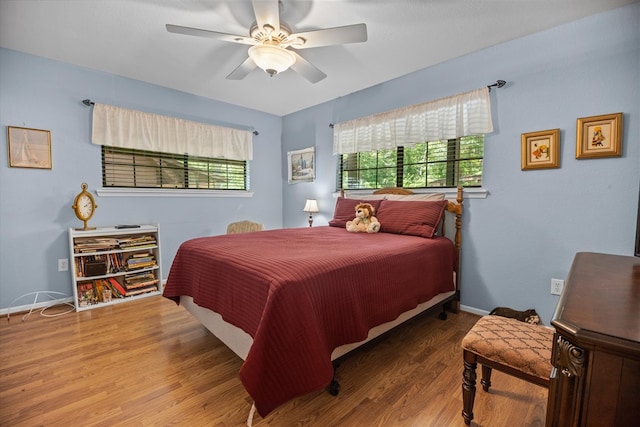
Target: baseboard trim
[(473, 310), (35, 305), (44, 304)]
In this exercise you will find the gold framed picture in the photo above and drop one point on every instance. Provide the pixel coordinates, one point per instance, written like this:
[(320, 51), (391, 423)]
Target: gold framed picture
[(599, 136), (29, 148), (541, 150)]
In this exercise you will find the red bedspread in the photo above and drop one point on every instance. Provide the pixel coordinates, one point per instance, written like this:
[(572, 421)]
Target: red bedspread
[(302, 292)]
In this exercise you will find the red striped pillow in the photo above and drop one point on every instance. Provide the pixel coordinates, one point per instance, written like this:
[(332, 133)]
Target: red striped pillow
[(346, 210), (415, 218)]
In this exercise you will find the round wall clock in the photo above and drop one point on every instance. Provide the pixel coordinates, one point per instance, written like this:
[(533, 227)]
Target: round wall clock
[(84, 206)]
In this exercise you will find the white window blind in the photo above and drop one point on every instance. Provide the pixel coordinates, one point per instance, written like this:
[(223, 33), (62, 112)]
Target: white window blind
[(465, 114), (124, 128)]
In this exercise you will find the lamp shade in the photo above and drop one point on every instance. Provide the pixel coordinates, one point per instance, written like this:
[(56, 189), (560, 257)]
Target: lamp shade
[(311, 206), (272, 59)]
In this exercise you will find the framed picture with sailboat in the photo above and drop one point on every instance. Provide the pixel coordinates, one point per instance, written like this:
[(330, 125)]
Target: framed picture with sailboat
[(29, 148)]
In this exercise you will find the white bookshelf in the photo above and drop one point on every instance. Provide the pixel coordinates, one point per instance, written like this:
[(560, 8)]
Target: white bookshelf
[(102, 257)]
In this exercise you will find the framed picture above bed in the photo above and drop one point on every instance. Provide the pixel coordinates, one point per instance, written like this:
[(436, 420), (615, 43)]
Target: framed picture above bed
[(541, 150), (302, 165)]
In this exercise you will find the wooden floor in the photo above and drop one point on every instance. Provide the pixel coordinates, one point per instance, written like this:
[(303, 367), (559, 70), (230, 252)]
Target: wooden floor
[(150, 363)]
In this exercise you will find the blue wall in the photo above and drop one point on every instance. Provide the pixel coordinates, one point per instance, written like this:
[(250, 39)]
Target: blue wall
[(532, 223), (35, 207), (524, 233)]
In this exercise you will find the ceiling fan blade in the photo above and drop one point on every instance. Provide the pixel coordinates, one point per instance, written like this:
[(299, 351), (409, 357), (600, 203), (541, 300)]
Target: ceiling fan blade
[(190, 31), (267, 13), (242, 70), (306, 69), (355, 33)]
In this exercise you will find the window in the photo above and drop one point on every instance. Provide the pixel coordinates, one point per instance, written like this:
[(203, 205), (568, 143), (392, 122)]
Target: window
[(448, 163), (124, 167)]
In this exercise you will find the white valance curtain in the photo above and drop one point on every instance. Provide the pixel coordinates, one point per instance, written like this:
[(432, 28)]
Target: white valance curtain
[(120, 127), (464, 114)]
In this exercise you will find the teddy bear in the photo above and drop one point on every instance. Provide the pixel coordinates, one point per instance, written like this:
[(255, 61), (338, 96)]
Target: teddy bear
[(365, 221)]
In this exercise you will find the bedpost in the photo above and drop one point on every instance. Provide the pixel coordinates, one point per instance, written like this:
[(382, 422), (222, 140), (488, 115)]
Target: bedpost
[(456, 209), (458, 237)]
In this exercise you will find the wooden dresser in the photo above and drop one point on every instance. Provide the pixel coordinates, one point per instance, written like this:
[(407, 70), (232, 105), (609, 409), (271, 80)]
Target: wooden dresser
[(595, 380)]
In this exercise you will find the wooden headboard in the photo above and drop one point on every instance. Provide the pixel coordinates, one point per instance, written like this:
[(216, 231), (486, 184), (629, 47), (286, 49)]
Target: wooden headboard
[(394, 190)]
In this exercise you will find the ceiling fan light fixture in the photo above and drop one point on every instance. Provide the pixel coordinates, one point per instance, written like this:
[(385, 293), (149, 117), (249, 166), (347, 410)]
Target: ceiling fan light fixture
[(272, 59)]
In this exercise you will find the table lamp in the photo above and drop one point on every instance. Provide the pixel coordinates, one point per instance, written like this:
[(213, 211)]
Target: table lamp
[(311, 206)]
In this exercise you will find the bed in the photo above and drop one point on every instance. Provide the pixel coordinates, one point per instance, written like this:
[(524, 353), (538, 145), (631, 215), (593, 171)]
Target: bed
[(291, 301)]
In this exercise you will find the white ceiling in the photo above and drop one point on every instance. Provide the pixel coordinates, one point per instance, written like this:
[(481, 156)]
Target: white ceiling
[(128, 38)]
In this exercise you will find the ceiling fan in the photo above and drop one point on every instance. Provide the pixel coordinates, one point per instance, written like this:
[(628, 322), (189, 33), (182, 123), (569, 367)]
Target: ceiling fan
[(273, 44)]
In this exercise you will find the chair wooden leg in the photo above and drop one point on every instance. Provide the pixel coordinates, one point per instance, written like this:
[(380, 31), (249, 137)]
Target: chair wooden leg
[(486, 377), (468, 385)]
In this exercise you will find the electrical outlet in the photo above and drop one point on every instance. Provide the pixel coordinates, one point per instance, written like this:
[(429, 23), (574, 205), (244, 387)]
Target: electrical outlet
[(557, 286), (63, 264)]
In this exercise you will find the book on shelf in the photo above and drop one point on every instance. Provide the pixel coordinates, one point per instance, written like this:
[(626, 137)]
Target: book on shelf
[(115, 262), (140, 257), (98, 286), (117, 288), (138, 279), (141, 265), (137, 242), (86, 294), (90, 292), (143, 275), (138, 285), (94, 244), (144, 290), (141, 260)]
